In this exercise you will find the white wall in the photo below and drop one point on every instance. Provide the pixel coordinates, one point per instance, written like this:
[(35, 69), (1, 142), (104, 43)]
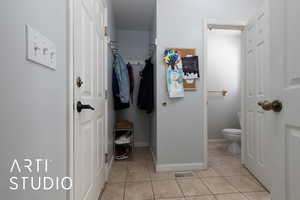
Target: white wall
[(33, 98), (180, 124), (134, 46), (224, 65)]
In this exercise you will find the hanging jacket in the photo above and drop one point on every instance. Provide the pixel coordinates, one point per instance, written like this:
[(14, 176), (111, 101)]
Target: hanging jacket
[(131, 80), (118, 105), (146, 89), (121, 73)]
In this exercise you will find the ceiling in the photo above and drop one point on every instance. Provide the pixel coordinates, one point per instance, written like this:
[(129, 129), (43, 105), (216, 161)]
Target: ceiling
[(133, 14)]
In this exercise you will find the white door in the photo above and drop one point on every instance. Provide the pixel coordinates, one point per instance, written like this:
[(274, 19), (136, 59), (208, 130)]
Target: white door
[(285, 62), (89, 144), (256, 120)]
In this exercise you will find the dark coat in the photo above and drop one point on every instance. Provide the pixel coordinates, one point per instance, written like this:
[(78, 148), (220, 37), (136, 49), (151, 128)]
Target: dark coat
[(145, 99)]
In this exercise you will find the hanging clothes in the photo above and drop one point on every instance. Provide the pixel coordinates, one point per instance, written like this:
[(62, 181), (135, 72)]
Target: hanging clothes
[(122, 77), (146, 89), (118, 105), (120, 83), (131, 80)]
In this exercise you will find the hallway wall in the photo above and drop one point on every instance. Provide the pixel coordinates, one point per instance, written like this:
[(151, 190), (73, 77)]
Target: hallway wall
[(134, 46), (180, 123), (33, 101), (224, 70)]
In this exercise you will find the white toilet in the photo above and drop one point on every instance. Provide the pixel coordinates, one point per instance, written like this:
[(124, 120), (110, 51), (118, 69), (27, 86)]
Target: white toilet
[(234, 137)]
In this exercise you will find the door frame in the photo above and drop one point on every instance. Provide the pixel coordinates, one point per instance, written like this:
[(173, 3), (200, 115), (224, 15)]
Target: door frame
[(70, 92), (224, 23)]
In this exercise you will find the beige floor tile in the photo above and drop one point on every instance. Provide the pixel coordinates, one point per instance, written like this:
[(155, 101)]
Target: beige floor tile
[(140, 157), (251, 177), (228, 170), (137, 166), (258, 196), (236, 196), (137, 176), (207, 173), (141, 150), (170, 199), (166, 189), (219, 185), (244, 184), (140, 168), (245, 171), (193, 187), (138, 191), (201, 198), (114, 191), (224, 160), (119, 165), (157, 176), (117, 175), (151, 166)]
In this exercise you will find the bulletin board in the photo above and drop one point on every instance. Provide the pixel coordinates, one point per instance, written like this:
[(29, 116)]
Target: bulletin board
[(189, 85)]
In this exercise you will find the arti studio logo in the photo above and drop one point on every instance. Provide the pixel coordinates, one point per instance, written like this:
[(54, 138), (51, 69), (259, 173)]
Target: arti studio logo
[(34, 180)]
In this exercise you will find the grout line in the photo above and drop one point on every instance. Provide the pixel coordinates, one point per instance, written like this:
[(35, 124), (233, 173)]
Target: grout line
[(152, 189), (124, 191), (206, 186), (125, 181), (245, 196), (231, 184), (178, 184)]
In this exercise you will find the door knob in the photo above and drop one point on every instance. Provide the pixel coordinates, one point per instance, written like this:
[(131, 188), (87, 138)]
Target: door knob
[(276, 105), (81, 107), (79, 82)]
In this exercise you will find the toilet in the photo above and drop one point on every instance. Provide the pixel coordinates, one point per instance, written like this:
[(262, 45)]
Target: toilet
[(234, 137)]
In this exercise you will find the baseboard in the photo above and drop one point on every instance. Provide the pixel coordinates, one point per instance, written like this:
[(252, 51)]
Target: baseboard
[(217, 141), (141, 144), (108, 168), (180, 167)]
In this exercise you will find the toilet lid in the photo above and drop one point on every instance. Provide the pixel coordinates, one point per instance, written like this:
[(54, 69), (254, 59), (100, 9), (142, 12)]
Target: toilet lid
[(233, 131)]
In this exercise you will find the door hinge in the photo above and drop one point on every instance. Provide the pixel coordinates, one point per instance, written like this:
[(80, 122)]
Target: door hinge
[(106, 94), (106, 31), (106, 158)]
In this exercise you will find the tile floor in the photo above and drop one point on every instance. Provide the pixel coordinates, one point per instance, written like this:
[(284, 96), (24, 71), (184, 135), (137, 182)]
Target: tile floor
[(226, 179)]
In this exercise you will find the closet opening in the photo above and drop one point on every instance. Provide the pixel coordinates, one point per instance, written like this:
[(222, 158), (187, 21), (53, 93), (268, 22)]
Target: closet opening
[(133, 80), (224, 69)]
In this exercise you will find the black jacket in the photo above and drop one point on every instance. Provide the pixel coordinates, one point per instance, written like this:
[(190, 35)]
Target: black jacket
[(145, 99)]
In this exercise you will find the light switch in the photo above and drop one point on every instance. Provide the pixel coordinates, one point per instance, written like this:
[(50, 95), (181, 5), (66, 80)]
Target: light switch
[(40, 49)]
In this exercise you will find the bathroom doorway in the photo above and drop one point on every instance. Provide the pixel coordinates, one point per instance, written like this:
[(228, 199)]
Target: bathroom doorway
[(223, 78)]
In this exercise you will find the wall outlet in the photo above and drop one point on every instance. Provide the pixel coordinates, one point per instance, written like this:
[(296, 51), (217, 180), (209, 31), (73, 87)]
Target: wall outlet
[(40, 49)]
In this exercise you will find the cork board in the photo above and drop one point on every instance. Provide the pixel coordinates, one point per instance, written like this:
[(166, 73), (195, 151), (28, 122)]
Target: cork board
[(188, 86)]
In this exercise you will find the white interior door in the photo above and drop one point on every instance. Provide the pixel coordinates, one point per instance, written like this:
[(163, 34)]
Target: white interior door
[(89, 146), (257, 121), (285, 59)]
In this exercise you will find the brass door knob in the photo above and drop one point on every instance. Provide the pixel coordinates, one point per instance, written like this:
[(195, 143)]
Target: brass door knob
[(276, 105)]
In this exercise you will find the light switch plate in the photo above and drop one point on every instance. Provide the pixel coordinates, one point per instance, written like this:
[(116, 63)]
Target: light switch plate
[(40, 49)]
